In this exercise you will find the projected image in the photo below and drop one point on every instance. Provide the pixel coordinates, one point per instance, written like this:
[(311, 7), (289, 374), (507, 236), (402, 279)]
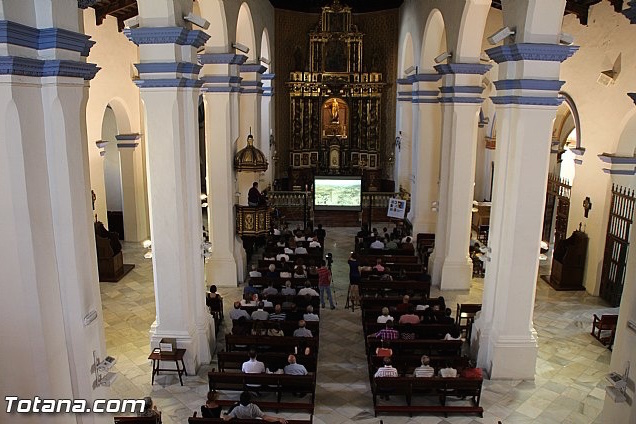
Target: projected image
[(337, 193)]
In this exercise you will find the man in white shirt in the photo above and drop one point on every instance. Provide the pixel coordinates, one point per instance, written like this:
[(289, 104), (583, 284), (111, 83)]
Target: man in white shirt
[(293, 368), (307, 290), (425, 370), (253, 366), (282, 255), (382, 319), (448, 372), (255, 272), (377, 244), (237, 312), (387, 370), (300, 250), (288, 290), (288, 251), (310, 316), (314, 243)]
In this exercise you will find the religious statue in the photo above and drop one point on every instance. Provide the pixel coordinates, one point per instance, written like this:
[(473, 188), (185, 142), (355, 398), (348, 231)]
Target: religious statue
[(334, 111)]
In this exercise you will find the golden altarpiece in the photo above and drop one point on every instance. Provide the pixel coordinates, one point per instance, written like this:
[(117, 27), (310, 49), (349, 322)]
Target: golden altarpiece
[(335, 108)]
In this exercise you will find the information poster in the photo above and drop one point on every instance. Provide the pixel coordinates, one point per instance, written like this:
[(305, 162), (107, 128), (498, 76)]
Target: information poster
[(397, 208)]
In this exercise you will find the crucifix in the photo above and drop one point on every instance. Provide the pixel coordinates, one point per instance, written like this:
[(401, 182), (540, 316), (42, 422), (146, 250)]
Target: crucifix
[(587, 206)]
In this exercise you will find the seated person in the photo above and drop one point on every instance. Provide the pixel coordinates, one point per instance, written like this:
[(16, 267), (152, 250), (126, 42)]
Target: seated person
[(270, 290), (447, 319), (253, 365), (382, 319), (250, 290), (388, 332), (255, 272), (391, 243), (299, 272), (314, 243), (288, 290), (409, 317), (298, 236), (300, 250), (259, 313), (250, 300), (378, 265), (448, 372), (272, 271), (310, 316), (150, 409), (302, 331), (275, 330), (384, 350), (258, 329), (247, 410), (377, 244), (211, 409), (294, 368), (387, 370), (308, 290), (278, 314), (312, 269), (408, 333), (453, 335), (282, 255), (288, 251), (425, 370), (285, 274), (237, 312), (404, 306)]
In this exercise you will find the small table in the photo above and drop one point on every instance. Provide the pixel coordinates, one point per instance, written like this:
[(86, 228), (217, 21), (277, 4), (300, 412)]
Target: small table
[(157, 356)]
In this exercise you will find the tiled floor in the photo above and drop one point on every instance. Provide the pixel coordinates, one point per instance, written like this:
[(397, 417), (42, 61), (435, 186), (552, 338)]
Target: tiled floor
[(569, 385)]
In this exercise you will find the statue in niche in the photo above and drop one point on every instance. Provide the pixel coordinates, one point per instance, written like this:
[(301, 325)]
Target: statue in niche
[(334, 111)]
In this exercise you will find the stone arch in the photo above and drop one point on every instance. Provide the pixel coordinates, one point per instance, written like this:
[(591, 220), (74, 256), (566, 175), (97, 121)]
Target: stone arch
[(245, 31), (570, 121), (471, 32), (214, 12), (407, 53), (627, 139), (535, 21), (433, 41), (122, 115), (266, 51)]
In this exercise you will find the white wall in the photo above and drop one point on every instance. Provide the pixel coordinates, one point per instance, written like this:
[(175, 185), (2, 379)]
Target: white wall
[(112, 171)]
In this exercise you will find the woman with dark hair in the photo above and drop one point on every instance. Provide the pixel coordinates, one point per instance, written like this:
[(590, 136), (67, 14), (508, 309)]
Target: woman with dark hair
[(211, 409), (247, 410), (354, 278)]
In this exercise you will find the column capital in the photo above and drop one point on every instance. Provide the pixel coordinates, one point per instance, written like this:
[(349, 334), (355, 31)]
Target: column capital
[(127, 141), (221, 83), (615, 164), (167, 35), (425, 96), (222, 59), (531, 51), (16, 65), (168, 82), (462, 68), (252, 67), (21, 35), (528, 92)]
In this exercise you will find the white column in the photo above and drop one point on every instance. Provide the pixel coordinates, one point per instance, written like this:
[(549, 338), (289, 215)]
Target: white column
[(426, 154), (132, 186), (526, 101), (267, 129), (169, 89), (219, 95), (405, 132), (49, 266), (461, 87)]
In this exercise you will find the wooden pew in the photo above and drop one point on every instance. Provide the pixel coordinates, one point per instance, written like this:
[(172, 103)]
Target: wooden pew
[(287, 344), (368, 287), (234, 360), (443, 389), (276, 383), (406, 364), (372, 302), (288, 327), (422, 331), (279, 282), (370, 259), (136, 420), (418, 347)]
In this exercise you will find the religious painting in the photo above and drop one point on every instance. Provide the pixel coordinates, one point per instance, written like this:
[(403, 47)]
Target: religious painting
[(363, 159), (296, 159), (335, 114), (372, 161), (355, 158), (335, 56), (305, 159), (313, 158)]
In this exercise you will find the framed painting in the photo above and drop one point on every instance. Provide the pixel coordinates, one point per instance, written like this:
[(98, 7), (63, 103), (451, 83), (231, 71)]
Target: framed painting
[(313, 158), (355, 159), (296, 159), (372, 161), (305, 159)]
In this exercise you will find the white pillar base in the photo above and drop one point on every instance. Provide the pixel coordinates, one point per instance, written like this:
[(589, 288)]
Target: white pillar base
[(456, 275), (512, 357), (435, 263), (241, 259), (221, 271)]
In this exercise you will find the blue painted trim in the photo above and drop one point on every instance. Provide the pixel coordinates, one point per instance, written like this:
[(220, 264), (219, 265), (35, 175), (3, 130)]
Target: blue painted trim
[(404, 99), (166, 35), (531, 51), (426, 77), (430, 100), (251, 83), (16, 65), (404, 81), (127, 137), (101, 143), (428, 93), (252, 67), (221, 89), (462, 68), (529, 84), (580, 151), (620, 171), (44, 38), (163, 67), (127, 145), (221, 79), (476, 100), (527, 100), (268, 94), (404, 93), (168, 82), (251, 90), (470, 89), (267, 77), (222, 58), (632, 96), (617, 160)]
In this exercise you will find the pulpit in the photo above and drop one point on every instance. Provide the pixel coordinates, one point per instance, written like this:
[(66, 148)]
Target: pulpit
[(568, 262), (252, 221)]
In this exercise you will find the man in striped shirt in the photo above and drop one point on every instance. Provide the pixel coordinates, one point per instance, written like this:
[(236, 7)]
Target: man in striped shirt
[(387, 333), (425, 370), (387, 370), (278, 314)]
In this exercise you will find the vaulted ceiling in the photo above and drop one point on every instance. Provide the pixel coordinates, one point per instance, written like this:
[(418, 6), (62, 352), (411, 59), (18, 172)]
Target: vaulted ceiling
[(125, 9)]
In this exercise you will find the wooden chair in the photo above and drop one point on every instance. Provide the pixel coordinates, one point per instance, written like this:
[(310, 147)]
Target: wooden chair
[(465, 316), (600, 327)]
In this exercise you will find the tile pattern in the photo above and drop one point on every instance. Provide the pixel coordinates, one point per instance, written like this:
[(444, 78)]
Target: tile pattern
[(569, 384)]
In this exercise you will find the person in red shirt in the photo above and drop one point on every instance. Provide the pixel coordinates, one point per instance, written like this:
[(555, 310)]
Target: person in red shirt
[(410, 317), (404, 306), (324, 284)]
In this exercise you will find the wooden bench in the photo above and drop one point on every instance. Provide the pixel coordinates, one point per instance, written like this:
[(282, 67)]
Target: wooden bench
[(422, 331), (198, 420), (419, 347), (275, 383), (372, 302), (288, 327), (443, 389), (600, 327), (368, 287), (406, 364), (286, 344), (466, 316), (370, 259), (273, 360), (136, 420), (279, 282)]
